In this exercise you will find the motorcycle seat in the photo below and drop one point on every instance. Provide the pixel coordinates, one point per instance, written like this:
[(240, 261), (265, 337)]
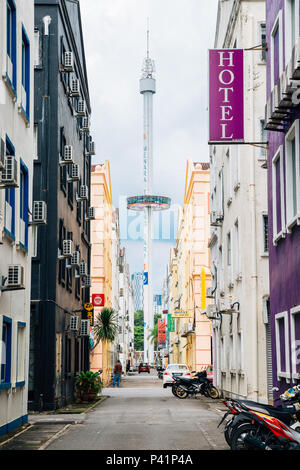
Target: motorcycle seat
[(276, 412)]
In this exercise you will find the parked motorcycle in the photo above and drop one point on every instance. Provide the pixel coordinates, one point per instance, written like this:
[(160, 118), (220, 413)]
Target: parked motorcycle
[(160, 371), (242, 422), (200, 384)]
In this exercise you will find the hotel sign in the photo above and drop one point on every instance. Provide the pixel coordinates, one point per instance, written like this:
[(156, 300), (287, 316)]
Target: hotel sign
[(226, 95)]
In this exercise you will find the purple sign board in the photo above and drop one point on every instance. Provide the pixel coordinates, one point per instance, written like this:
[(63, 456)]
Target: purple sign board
[(226, 95)]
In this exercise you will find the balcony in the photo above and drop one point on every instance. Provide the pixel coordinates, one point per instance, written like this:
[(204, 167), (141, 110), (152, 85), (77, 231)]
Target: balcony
[(280, 104)]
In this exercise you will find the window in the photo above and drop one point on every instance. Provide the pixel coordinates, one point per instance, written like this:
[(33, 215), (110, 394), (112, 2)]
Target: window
[(263, 41), (221, 269), (295, 341), (23, 227), (291, 14), (278, 196), (292, 175), (231, 353), (228, 249), (228, 176), (9, 217), (11, 44), (20, 364), (235, 162), (25, 87), (63, 169), (263, 138), (5, 377), (265, 235), (282, 345), (276, 50), (62, 263), (240, 363), (237, 250)]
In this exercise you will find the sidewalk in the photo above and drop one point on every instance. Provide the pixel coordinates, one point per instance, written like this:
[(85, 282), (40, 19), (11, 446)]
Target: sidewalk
[(44, 428)]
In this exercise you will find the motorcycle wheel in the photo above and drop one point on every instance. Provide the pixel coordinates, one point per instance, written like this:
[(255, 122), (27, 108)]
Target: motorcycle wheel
[(238, 437), (181, 393), (174, 387), (213, 392)]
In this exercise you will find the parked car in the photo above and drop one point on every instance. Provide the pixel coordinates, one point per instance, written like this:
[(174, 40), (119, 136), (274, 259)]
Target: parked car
[(181, 370), (144, 368)]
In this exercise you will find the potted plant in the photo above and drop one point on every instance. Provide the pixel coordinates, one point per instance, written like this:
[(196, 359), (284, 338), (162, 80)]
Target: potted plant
[(88, 384)]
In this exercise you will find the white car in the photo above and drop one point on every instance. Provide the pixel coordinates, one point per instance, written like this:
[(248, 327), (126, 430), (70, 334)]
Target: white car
[(175, 369)]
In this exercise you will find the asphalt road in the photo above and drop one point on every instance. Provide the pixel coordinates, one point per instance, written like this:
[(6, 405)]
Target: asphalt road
[(142, 415)]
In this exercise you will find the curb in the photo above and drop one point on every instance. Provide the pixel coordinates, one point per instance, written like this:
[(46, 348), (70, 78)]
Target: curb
[(56, 436)]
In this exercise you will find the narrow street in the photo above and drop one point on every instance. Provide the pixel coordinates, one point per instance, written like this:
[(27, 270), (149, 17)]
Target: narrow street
[(142, 415)]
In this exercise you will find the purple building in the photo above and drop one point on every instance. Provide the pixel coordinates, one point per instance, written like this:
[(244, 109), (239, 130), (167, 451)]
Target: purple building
[(282, 123)]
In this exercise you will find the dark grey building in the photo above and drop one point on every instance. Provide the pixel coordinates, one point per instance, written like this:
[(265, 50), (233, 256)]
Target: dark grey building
[(59, 340)]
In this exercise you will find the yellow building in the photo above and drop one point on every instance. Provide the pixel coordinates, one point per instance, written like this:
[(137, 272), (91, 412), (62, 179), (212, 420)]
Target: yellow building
[(190, 272), (102, 356)]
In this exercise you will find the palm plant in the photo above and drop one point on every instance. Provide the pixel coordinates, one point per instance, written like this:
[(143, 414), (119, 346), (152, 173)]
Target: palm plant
[(153, 336), (106, 327), (105, 330)]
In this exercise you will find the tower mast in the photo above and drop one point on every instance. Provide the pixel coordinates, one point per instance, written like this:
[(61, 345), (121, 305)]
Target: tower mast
[(148, 203)]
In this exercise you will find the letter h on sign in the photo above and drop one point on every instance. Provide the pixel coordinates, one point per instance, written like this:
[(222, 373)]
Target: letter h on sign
[(226, 95)]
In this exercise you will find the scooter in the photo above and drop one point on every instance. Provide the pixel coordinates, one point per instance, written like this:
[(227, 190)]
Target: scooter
[(200, 384), (240, 413)]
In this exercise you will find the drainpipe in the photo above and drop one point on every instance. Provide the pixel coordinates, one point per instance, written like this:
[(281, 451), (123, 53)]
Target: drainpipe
[(252, 194)]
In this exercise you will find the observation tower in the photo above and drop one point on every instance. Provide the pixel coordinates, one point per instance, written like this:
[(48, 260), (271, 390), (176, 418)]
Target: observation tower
[(148, 202)]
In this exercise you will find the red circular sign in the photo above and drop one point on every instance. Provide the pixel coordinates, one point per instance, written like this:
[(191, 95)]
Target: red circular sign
[(98, 300)]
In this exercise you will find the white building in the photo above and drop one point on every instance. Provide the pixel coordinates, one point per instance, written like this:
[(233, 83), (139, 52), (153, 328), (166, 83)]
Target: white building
[(126, 312), (137, 280), (16, 164), (239, 220)]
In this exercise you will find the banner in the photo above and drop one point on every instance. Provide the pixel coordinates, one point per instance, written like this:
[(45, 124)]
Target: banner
[(161, 339), (226, 95), (171, 323)]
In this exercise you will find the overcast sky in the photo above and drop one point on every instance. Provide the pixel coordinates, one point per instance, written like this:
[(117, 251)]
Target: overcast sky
[(181, 32)]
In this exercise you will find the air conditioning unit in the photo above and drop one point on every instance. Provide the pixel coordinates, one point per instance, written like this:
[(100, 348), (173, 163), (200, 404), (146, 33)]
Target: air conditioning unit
[(74, 175), (91, 148), (189, 328), (211, 311), (87, 282), (74, 323), (15, 277), (75, 260), (176, 340), (216, 219), (91, 214), (75, 87), (84, 193), (81, 108), (69, 62), (39, 213), (67, 250), (2, 154), (68, 153), (85, 328), (83, 269), (85, 127), (209, 292), (9, 175)]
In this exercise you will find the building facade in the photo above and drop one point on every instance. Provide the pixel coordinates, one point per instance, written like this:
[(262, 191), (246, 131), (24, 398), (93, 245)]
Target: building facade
[(16, 174), (282, 116), (238, 243), (126, 314), (137, 280), (104, 255), (62, 161), (191, 270)]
